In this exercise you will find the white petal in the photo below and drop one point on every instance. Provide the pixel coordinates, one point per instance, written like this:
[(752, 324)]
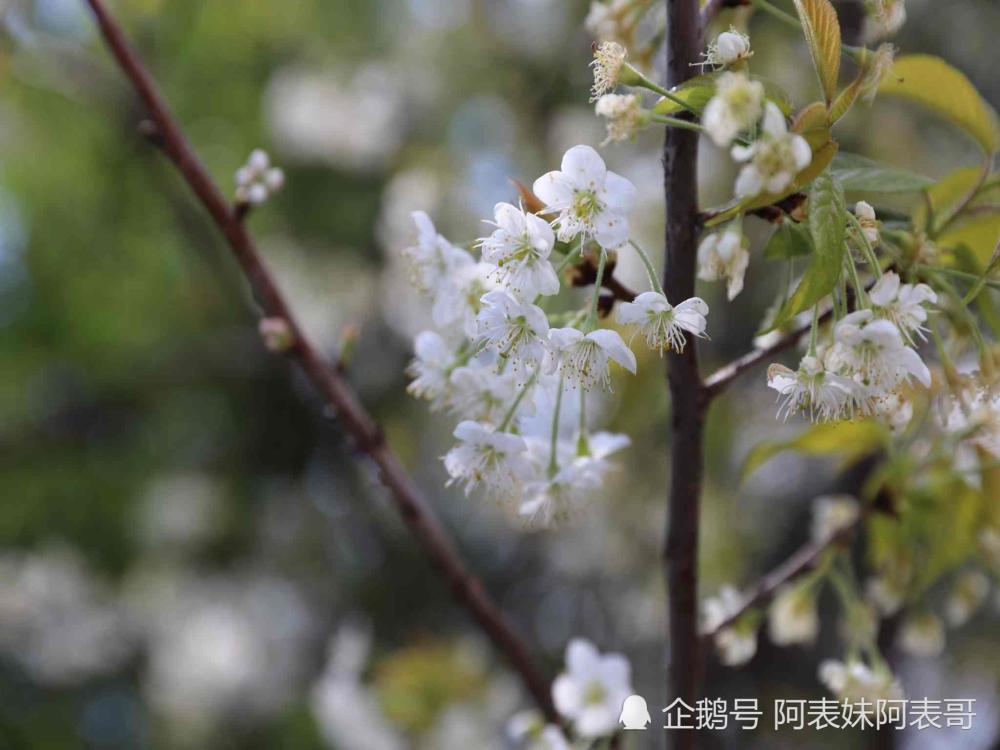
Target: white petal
[(611, 342), (563, 338), (774, 121), (885, 290), (554, 189), (802, 152), (611, 230), (584, 167), (618, 194), (509, 218)]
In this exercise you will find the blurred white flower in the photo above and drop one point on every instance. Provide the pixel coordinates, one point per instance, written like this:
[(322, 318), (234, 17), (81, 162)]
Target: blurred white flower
[(724, 255), (885, 18), (735, 106), (922, 635), (624, 114), (587, 199), (868, 221), (775, 158), (592, 689), (257, 180), (902, 304), (872, 349), (433, 260), (855, 680), (517, 331), (813, 390), (736, 642), (975, 413), (609, 57), (793, 616), (529, 731), (885, 594), (484, 456), (431, 367), (661, 324)]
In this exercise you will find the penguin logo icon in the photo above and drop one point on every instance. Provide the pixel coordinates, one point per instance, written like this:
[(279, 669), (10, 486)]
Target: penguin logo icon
[(635, 715)]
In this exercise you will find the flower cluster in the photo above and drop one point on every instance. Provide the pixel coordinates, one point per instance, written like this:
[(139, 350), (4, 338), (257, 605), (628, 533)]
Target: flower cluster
[(517, 379), (257, 180)]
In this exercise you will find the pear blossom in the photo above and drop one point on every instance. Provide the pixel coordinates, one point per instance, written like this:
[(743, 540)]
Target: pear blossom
[(975, 412), (430, 368), (812, 389), (872, 349), (591, 691), (894, 410), (832, 514), (529, 731), (488, 457), (550, 501), (793, 616), (516, 331), (457, 298), (624, 114), (885, 18), (868, 221), (922, 635), (774, 159), (966, 597), (609, 58), (432, 259), (729, 47), (903, 304), (661, 324), (482, 393), (855, 681), (519, 251), (736, 642), (587, 199), (724, 255), (583, 358), (735, 106)]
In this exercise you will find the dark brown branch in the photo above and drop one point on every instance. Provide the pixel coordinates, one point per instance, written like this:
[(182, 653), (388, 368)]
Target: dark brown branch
[(410, 503), (803, 559), (712, 8), (688, 402)]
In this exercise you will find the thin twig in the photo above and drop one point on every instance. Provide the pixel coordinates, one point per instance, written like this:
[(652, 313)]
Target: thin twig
[(412, 506), (801, 560)]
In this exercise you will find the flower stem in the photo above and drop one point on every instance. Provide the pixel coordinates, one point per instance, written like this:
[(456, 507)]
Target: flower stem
[(517, 401), (591, 322), (654, 281), (554, 440), (865, 245), (582, 443), (814, 331), (675, 122), (570, 256), (859, 288), (778, 13)]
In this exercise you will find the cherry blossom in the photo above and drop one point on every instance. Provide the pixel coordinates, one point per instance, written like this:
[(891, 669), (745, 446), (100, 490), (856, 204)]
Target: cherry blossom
[(663, 325)]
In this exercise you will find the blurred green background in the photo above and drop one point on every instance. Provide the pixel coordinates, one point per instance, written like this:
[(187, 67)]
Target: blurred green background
[(183, 530)]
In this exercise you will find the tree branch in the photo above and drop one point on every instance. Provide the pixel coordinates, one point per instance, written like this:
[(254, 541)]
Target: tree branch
[(803, 558), (410, 503), (712, 8), (688, 401)]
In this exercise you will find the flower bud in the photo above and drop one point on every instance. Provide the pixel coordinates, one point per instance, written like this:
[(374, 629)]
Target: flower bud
[(277, 334)]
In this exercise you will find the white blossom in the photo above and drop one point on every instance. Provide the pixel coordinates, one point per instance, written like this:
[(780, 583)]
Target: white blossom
[(831, 514), (480, 393), (873, 350), (885, 594), (516, 330), (813, 390), (735, 106), (592, 689), (855, 680), (661, 324), (551, 500), (974, 412), (774, 159), (486, 457), (793, 616), (519, 251), (903, 304), (736, 642), (966, 597), (257, 180), (609, 57), (430, 368), (894, 410), (433, 259), (922, 635), (729, 47), (587, 199), (624, 114), (583, 359), (724, 255), (885, 18)]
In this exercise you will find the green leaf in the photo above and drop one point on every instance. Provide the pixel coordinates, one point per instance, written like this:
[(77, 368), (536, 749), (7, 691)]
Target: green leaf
[(859, 174), (791, 240), (696, 92), (822, 30), (947, 196), (827, 227), (935, 84), (850, 440), (980, 234)]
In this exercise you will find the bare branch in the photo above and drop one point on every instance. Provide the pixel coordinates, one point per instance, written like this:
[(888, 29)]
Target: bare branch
[(712, 8), (803, 559), (412, 506)]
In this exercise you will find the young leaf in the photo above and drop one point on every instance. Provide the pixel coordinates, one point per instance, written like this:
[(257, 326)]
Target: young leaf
[(827, 227), (851, 440), (791, 240), (822, 30), (857, 173), (947, 197), (935, 84), (695, 92)]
